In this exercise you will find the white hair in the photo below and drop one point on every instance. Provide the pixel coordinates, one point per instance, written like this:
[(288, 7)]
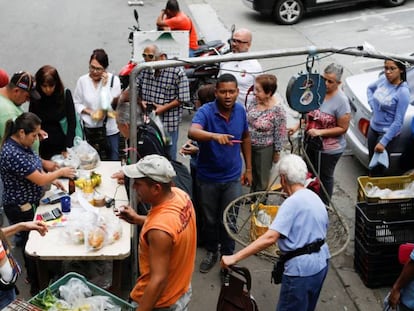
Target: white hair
[(293, 168)]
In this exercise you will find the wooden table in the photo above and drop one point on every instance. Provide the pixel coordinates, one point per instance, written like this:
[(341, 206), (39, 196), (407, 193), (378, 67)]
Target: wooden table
[(53, 247)]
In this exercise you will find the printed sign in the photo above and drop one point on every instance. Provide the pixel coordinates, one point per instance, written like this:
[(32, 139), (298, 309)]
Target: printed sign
[(173, 43)]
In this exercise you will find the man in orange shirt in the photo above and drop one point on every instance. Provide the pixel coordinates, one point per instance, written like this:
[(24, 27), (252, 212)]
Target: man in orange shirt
[(167, 242), (171, 18)]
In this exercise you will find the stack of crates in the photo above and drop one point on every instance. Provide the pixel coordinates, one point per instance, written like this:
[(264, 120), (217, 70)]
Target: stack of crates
[(381, 225)]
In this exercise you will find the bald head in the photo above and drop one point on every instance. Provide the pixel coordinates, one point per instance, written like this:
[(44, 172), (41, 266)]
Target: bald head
[(151, 53), (241, 41)]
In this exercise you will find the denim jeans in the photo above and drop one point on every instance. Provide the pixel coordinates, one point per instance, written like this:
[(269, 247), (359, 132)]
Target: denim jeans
[(172, 148), (113, 141), (213, 199), (301, 293), (7, 297)]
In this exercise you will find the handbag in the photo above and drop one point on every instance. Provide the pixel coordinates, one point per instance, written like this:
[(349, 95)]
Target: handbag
[(314, 143), (96, 137), (235, 295)]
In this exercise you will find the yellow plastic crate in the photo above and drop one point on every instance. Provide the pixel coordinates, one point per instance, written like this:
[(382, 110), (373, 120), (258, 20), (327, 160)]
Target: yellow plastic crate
[(391, 182)]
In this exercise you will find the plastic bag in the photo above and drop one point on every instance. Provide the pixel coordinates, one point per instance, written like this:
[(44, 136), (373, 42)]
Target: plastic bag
[(106, 98), (87, 155)]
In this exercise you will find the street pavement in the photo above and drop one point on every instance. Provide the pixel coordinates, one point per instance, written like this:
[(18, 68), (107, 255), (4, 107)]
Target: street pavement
[(343, 289)]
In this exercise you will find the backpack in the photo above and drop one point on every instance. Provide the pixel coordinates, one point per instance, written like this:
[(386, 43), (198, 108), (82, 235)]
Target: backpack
[(150, 141)]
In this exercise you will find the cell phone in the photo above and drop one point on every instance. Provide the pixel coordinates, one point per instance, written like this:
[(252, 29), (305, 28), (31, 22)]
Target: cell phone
[(54, 198), (52, 215)]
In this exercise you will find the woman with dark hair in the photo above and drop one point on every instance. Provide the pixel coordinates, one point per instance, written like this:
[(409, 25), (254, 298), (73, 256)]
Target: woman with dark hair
[(54, 106), (23, 177), (267, 127), (94, 94), (388, 98)]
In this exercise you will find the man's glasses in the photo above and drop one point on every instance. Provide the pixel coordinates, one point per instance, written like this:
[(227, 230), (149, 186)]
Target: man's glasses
[(238, 41), (390, 68), (150, 56), (96, 69)]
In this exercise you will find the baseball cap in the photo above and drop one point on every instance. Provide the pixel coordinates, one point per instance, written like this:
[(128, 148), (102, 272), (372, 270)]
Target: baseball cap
[(26, 82), (153, 166)]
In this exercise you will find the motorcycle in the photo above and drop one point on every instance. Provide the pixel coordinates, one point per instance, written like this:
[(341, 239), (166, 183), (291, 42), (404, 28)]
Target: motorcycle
[(197, 75)]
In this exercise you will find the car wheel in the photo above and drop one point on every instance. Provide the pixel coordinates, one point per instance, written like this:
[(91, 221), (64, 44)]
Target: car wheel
[(391, 3), (288, 12)]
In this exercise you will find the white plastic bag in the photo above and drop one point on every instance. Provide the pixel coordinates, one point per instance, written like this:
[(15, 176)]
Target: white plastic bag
[(105, 97), (87, 155)]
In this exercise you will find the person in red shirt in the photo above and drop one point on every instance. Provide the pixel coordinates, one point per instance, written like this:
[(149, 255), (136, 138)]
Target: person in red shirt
[(171, 18)]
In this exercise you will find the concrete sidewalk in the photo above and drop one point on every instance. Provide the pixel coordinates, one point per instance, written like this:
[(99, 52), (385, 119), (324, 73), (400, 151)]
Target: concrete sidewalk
[(343, 288)]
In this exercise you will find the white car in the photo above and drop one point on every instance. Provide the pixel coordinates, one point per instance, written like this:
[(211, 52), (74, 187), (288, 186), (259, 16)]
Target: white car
[(355, 88)]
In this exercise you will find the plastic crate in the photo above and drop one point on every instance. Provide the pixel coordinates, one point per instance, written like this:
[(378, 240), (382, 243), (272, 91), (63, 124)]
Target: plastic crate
[(392, 182), (54, 287), (376, 269), (384, 224)]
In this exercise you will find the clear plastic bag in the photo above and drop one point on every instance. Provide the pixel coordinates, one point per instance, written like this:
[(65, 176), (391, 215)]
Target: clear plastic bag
[(87, 155)]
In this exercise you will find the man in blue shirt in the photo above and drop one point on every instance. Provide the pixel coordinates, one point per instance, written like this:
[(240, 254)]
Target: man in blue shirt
[(221, 130)]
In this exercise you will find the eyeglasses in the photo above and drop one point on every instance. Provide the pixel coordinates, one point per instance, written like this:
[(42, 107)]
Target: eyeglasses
[(390, 68), (330, 81), (238, 41), (150, 56), (96, 69)]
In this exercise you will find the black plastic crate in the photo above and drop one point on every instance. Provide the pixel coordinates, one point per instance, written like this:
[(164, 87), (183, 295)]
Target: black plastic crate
[(384, 224), (377, 268)]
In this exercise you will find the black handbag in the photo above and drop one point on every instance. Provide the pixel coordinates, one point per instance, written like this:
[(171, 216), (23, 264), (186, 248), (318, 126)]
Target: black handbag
[(235, 295), (96, 137), (314, 143)]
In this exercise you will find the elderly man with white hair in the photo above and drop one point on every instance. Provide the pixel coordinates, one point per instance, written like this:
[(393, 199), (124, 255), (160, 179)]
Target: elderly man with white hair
[(300, 229)]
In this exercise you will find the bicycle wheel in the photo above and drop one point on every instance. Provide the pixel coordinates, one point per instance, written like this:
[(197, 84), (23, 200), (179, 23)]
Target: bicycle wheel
[(244, 220)]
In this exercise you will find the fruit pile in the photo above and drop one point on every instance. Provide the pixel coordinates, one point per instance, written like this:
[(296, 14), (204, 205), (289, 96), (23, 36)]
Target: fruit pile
[(94, 181)]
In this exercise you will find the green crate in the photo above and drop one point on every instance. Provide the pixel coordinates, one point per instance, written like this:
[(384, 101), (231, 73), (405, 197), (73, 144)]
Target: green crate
[(96, 290), (391, 182)]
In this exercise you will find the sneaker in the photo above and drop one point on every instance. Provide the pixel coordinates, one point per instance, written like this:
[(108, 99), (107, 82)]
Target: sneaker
[(225, 277), (208, 262)]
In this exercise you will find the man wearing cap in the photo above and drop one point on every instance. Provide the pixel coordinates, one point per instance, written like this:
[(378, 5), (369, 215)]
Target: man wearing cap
[(167, 242), (20, 88)]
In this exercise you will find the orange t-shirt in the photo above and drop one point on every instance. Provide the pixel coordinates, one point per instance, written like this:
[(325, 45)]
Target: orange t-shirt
[(183, 22), (176, 217)]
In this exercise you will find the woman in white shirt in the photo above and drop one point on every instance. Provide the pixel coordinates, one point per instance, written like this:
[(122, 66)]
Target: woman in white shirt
[(93, 97)]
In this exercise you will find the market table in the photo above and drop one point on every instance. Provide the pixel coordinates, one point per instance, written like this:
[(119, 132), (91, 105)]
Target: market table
[(52, 246)]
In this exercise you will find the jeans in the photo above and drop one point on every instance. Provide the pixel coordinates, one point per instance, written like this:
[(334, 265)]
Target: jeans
[(172, 148), (373, 138), (301, 293), (213, 199), (7, 297), (324, 165), (113, 141)]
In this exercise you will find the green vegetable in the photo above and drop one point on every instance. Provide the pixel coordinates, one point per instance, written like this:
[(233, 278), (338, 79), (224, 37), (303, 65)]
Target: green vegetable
[(45, 300)]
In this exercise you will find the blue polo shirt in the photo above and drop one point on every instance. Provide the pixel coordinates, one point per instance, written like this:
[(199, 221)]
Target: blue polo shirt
[(220, 163), (17, 162)]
